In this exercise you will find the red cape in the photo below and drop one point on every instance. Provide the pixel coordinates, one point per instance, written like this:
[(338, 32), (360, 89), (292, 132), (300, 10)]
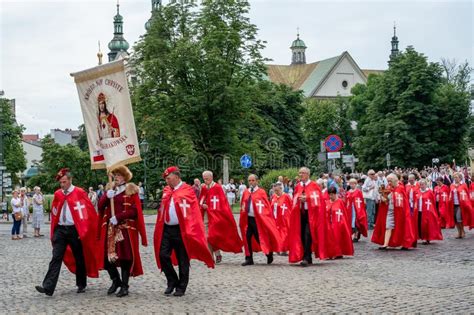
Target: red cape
[(430, 229), (136, 227), (465, 204), (268, 233), (282, 205), (316, 207), (355, 199), (414, 189), (222, 229), (446, 220), (190, 224), (338, 240), (378, 235), (85, 221)]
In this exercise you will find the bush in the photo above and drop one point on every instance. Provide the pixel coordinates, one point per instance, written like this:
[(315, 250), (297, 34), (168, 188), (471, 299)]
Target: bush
[(272, 177)]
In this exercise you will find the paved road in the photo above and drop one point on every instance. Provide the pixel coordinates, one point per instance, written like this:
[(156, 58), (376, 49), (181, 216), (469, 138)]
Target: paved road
[(436, 278)]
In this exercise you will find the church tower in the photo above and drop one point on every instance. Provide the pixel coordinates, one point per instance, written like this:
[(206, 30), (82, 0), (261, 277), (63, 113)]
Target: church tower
[(118, 45), (298, 51), (394, 51), (155, 5)]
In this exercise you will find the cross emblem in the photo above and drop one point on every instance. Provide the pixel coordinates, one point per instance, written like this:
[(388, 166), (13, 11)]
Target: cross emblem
[(358, 202), (184, 205), (472, 194), (444, 195), (399, 199), (214, 202), (339, 214), (428, 204), (463, 195), (79, 208), (315, 197), (259, 205), (283, 208)]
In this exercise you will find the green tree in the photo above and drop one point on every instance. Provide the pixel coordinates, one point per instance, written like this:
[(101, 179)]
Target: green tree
[(411, 112), (14, 156)]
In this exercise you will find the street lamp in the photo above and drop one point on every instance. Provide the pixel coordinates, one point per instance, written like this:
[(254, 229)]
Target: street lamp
[(144, 149)]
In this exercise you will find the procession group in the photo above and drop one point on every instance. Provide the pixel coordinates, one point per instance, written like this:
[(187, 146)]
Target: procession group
[(316, 220)]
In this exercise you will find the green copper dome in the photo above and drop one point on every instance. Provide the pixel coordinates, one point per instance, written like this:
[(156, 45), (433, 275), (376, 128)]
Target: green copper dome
[(119, 44), (298, 43)]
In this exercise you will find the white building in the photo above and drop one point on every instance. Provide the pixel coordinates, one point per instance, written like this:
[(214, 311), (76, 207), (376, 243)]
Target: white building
[(33, 154)]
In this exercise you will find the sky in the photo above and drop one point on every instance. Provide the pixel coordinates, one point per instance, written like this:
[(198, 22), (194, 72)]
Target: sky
[(42, 42)]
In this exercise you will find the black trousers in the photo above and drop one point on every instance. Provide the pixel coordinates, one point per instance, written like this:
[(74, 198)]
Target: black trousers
[(170, 241), (251, 231), (306, 236), (112, 270), (62, 237)]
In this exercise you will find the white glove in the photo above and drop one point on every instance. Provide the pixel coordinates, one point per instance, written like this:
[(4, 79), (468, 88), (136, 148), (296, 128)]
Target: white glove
[(110, 193), (113, 220)]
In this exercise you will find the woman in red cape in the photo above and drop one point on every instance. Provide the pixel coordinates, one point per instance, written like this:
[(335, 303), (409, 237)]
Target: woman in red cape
[(441, 191), (281, 205), (356, 211), (428, 224), (460, 205)]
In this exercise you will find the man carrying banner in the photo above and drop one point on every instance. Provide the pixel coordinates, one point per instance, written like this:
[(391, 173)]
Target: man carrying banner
[(179, 232), (222, 231), (120, 230), (73, 235)]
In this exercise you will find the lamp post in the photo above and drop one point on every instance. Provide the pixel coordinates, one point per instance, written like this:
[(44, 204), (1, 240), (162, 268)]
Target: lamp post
[(144, 149)]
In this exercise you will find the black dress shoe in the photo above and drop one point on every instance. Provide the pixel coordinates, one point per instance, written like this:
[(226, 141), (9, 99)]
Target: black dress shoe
[(304, 263), (179, 292), (383, 248), (113, 288), (169, 290), (81, 289), (40, 289), (123, 292), (269, 259), (247, 262), (404, 248)]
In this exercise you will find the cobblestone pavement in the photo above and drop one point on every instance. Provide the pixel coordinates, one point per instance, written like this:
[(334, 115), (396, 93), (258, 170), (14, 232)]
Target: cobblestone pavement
[(435, 278)]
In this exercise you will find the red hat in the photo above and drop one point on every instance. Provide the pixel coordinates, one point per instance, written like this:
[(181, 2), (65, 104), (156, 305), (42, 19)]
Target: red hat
[(170, 170), (62, 172)]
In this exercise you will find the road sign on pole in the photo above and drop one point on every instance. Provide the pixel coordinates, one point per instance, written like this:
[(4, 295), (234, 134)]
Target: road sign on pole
[(333, 143), (246, 161)]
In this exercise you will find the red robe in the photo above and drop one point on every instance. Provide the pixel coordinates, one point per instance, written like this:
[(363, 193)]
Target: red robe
[(270, 240), (464, 202), (355, 199), (403, 233), (414, 190), (338, 234), (85, 221), (190, 224), (282, 205), (471, 194), (222, 229), (316, 207), (430, 229), (112, 124), (129, 214), (446, 220)]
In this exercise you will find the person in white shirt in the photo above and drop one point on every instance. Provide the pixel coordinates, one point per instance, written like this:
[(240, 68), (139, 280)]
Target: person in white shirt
[(26, 211), (230, 190), (370, 193), (16, 208), (242, 188), (38, 213)]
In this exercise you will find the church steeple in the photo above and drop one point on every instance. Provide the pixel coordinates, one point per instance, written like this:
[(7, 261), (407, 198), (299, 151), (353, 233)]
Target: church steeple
[(394, 51), (155, 5), (298, 50), (118, 44)]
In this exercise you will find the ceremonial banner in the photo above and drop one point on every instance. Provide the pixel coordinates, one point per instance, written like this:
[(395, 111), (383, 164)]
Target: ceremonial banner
[(108, 117)]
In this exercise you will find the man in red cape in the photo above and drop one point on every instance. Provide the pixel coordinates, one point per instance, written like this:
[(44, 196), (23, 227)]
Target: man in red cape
[(222, 230), (441, 191), (412, 189), (394, 227), (306, 230), (337, 232), (356, 213), (179, 232), (257, 223), (281, 205), (428, 223), (119, 233), (73, 235), (460, 205)]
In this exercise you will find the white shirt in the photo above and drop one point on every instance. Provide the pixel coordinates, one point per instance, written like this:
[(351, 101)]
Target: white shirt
[(242, 188), (370, 189), (251, 213), (172, 209), (38, 198), (230, 190), (16, 205), (69, 219)]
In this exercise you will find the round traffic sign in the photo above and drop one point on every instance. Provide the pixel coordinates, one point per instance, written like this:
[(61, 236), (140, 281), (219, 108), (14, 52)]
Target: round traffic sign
[(246, 161), (333, 143)]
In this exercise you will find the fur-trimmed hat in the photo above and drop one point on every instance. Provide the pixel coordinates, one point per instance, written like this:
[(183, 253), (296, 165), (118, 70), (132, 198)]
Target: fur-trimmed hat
[(124, 171)]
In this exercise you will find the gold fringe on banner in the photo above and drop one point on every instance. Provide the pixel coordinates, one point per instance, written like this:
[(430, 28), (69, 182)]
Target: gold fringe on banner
[(99, 71)]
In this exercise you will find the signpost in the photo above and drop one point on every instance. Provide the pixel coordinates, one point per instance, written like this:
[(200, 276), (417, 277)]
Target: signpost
[(387, 157), (333, 143)]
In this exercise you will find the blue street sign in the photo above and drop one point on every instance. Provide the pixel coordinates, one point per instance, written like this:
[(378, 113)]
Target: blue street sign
[(246, 161)]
